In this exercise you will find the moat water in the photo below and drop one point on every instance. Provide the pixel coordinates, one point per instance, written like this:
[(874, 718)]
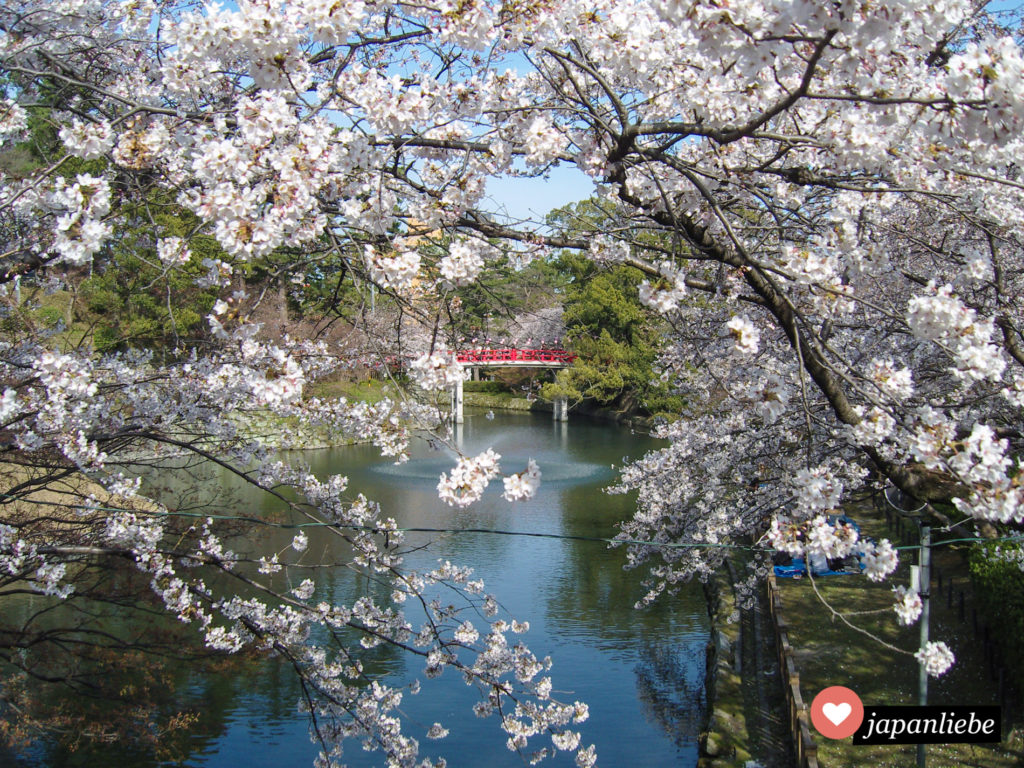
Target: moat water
[(640, 671)]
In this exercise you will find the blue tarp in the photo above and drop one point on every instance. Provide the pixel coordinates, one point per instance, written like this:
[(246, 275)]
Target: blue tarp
[(798, 567)]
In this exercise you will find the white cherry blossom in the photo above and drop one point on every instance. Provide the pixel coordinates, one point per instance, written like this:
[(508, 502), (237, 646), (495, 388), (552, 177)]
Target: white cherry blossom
[(908, 605), (936, 657)]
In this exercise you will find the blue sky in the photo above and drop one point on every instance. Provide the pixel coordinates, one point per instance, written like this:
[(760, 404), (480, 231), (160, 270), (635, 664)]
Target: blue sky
[(532, 198)]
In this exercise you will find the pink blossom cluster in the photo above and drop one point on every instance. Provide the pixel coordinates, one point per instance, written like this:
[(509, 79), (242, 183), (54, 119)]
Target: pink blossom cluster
[(468, 479)]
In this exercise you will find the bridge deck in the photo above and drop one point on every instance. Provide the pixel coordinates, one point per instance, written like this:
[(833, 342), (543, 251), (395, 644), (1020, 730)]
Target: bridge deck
[(525, 358)]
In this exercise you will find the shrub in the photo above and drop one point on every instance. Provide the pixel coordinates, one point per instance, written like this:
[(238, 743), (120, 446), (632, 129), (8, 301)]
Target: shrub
[(487, 387), (999, 589)]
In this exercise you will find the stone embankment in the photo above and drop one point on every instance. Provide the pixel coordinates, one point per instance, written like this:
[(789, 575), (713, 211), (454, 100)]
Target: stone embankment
[(746, 714)]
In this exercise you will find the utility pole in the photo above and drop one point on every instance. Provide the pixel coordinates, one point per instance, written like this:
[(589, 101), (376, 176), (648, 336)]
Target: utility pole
[(925, 561), (921, 580)]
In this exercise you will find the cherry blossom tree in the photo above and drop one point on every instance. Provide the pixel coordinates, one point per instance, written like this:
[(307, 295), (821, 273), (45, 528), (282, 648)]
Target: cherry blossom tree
[(824, 196)]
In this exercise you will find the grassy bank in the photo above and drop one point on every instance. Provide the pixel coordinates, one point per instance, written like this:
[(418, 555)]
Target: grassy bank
[(828, 652), (505, 401), (509, 401), (289, 433), (365, 390)]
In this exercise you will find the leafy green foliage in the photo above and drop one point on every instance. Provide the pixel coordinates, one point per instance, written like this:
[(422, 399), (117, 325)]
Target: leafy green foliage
[(616, 338), (131, 299), (127, 297), (486, 387), (999, 588)]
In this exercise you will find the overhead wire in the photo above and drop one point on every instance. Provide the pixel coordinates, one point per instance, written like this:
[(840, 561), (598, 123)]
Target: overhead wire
[(492, 531)]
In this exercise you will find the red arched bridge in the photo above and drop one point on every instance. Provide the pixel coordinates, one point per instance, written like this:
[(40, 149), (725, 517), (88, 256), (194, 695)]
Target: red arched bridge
[(511, 357), (527, 358)]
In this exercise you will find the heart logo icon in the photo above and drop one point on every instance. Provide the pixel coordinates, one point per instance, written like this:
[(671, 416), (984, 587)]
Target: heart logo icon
[(836, 713)]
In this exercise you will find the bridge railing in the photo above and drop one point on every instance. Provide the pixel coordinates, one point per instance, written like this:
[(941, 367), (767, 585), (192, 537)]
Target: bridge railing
[(485, 356)]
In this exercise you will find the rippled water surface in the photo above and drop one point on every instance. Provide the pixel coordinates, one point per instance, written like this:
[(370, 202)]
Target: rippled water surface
[(641, 672)]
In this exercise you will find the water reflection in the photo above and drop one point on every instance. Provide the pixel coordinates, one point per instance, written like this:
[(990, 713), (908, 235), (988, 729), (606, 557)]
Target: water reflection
[(640, 671), (668, 687)]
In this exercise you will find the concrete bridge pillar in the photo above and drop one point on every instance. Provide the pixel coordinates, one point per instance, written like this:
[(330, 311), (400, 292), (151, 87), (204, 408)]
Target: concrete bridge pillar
[(561, 409), (457, 406)]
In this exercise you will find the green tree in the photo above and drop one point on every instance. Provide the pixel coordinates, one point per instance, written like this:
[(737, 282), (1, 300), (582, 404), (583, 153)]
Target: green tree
[(616, 338), (131, 299), (495, 301)]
